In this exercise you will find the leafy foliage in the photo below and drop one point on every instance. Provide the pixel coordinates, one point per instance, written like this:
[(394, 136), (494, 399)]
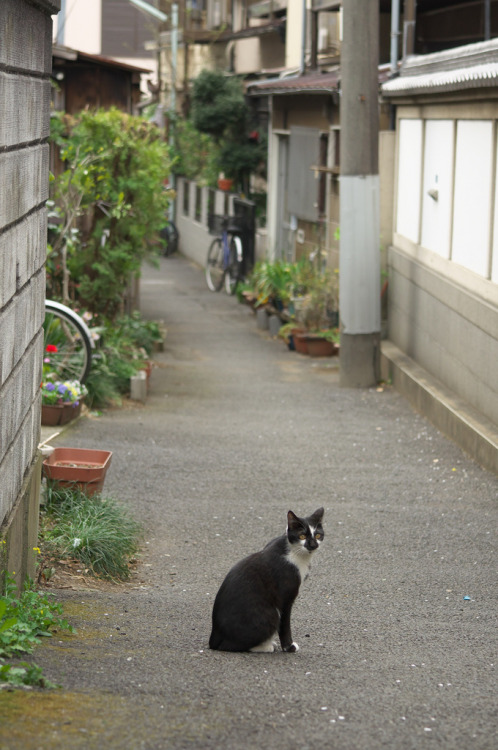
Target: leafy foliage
[(196, 154), (220, 110), (116, 167), (125, 345), (308, 292), (218, 104), (24, 620)]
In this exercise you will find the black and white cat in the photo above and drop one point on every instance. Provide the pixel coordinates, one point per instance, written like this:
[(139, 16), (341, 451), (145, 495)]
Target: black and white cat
[(254, 601)]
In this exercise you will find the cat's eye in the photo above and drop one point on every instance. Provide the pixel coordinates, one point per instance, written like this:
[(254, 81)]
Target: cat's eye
[(302, 536), (318, 536)]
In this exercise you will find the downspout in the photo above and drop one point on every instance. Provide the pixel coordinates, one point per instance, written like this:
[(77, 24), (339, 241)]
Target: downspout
[(303, 41), (394, 35), (61, 22), (487, 20), (172, 101), (394, 54)]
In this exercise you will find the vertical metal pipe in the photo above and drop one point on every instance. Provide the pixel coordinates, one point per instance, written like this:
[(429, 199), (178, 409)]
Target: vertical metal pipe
[(303, 40), (394, 34), (61, 23), (487, 20)]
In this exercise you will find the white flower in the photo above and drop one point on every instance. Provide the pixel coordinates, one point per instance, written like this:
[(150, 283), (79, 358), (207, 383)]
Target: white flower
[(76, 542)]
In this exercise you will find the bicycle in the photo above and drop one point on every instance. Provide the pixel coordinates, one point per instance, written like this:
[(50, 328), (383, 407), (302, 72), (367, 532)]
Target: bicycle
[(67, 344), (225, 255)]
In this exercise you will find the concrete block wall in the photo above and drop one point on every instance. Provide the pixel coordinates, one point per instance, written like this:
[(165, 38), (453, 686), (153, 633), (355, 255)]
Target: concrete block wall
[(447, 329), (25, 67)]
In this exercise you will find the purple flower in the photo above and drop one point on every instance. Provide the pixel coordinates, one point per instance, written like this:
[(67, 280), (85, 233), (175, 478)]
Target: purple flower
[(62, 389), (50, 387)]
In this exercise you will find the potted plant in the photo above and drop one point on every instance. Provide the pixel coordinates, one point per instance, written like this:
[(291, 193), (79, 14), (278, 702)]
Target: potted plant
[(322, 343), (225, 183), (317, 314), (78, 466), (61, 401)]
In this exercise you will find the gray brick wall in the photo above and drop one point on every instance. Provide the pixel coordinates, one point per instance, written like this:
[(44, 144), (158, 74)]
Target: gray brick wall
[(25, 66)]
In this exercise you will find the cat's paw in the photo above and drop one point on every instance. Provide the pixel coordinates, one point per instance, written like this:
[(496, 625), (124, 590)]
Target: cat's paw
[(292, 648)]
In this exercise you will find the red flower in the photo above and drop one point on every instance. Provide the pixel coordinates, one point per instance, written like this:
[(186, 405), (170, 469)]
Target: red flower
[(51, 348)]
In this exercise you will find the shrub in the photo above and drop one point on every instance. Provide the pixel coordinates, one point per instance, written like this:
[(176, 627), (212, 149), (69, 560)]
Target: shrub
[(116, 168), (219, 109)]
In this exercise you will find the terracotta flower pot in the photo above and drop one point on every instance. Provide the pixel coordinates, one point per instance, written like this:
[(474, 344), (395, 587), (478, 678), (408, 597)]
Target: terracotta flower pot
[(320, 347), (78, 466), (224, 183), (59, 414)]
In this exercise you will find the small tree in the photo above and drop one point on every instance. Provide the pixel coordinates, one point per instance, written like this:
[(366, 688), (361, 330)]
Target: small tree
[(220, 110), (116, 166)]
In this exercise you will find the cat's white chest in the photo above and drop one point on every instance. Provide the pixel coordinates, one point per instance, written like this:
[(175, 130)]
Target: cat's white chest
[(301, 558)]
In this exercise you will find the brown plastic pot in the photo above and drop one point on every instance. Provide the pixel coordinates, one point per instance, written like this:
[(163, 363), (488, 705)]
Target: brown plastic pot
[(320, 347), (81, 467), (301, 342)]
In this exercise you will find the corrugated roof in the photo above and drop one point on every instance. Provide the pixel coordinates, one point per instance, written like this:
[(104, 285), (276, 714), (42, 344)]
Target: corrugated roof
[(309, 83), (470, 66), (299, 84), (446, 80)]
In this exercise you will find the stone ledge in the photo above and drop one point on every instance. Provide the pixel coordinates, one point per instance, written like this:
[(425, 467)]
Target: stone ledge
[(459, 421)]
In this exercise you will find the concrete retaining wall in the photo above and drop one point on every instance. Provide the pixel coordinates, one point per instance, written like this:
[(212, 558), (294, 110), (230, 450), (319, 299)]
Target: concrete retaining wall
[(25, 66)]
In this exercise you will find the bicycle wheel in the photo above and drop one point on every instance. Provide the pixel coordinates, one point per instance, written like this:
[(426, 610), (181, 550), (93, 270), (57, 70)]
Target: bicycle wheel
[(67, 345), (233, 273), (214, 267)]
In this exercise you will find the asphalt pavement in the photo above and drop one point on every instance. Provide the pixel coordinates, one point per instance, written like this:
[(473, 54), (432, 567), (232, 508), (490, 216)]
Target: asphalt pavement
[(397, 621)]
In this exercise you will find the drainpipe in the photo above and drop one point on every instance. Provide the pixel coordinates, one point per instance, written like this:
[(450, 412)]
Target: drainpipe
[(394, 35), (487, 20), (303, 41), (61, 22), (172, 101)]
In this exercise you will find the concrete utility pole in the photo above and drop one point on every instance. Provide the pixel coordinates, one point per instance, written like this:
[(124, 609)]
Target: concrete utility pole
[(359, 276)]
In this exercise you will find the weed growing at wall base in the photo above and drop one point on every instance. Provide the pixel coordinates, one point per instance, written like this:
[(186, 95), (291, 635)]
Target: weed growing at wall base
[(97, 531), (24, 620)]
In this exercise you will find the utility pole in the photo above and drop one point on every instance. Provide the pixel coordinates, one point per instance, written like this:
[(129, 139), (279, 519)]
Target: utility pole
[(359, 265)]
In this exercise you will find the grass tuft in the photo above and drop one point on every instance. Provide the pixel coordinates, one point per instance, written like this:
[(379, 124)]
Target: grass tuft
[(95, 530)]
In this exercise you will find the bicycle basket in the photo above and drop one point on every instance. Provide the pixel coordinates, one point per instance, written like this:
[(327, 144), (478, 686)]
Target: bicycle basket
[(216, 223)]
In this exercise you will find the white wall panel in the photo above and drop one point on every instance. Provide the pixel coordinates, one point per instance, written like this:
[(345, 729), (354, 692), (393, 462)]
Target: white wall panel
[(437, 192), (472, 205), (494, 256), (409, 179)]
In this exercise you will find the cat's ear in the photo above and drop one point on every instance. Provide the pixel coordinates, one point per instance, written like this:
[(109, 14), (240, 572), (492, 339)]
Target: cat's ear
[(292, 520), (317, 515)]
